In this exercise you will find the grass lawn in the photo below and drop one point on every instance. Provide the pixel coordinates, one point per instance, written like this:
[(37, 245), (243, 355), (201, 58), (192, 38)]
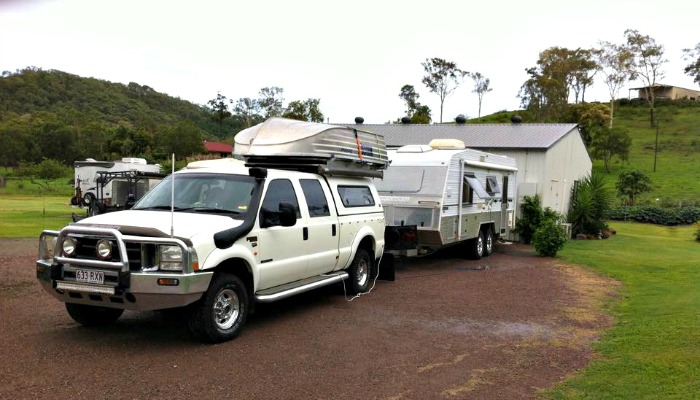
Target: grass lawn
[(26, 216), (653, 351)]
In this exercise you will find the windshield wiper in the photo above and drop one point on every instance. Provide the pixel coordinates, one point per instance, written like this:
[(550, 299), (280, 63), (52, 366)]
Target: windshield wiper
[(163, 207)]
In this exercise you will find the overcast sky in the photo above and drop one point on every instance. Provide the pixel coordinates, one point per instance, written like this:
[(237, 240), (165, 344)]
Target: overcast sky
[(355, 55)]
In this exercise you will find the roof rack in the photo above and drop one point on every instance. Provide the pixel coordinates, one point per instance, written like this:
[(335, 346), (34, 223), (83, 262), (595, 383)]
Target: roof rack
[(312, 147)]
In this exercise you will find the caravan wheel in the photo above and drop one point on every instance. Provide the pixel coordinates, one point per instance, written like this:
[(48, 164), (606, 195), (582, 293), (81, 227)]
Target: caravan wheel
[(488, 242), (476, 246), (88, 199)]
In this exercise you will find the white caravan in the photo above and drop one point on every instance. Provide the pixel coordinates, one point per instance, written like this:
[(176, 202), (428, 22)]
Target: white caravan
[(443, 194), (109, 179)]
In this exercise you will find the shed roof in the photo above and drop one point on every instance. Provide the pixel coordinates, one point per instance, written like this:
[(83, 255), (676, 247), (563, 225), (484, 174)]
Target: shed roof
[(506, 136)]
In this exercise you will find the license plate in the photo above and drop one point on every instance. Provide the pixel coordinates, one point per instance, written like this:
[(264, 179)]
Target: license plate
[(89, 276)]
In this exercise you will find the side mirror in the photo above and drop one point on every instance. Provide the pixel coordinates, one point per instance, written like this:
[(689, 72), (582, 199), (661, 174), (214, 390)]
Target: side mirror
[(286, 216)]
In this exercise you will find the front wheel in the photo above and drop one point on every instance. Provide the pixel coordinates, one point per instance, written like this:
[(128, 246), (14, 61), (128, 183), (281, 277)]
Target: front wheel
[(221, 314), (93, 315), (359, 272), (476, 247)]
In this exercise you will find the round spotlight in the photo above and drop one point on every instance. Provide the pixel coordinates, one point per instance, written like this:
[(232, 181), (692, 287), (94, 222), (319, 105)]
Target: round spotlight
[(69, 246), (104, 249)]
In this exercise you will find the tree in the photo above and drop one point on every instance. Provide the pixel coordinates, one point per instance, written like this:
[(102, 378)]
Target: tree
[(43, 173), (591, 118), (308, 110), (693, 69), (417, 112), (410, 97), (584, 68), (610, 142), (219, 110), (422, 115), (481, 86), (249, 110), (183, 139), (632, 183), (648, 61), (546, 92), (271, 101), (617, 66), (442, 78)]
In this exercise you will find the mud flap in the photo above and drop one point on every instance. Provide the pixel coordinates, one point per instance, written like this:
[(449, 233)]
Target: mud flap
[(386, 268)]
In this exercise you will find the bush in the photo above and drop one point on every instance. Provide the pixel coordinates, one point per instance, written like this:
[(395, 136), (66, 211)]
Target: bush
[(590, 201), (549, 238), (656, 215), (531, 217)]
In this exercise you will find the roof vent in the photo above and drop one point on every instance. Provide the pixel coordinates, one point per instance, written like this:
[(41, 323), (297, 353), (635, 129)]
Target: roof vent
[(359, 120), (405, 120), (461, 119), (447, 144), (516, 119)]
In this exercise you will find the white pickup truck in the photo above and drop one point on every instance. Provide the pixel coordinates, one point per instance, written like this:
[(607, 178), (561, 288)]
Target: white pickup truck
[(217, 237)]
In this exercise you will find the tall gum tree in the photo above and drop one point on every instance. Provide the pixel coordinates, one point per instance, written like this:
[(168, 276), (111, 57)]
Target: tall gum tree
[(617, 66), (442, 78), (648, 62)]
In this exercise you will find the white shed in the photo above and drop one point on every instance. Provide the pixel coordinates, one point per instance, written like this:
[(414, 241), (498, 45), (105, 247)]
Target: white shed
[(550, 158)]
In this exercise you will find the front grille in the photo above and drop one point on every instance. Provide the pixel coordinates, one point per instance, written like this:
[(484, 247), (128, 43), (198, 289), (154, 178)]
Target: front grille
[(87, 250)]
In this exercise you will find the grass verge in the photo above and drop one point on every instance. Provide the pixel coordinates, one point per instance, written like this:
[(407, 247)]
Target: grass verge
[(24, 216), (652, 352)]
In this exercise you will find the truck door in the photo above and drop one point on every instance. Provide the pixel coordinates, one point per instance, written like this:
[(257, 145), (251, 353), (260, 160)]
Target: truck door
[(322, 234), (282, 250)]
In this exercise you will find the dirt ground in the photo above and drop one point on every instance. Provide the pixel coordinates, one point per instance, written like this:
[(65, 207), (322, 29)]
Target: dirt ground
[(447, 328)]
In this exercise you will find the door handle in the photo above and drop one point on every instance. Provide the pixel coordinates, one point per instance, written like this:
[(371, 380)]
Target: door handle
[(306, 233), (333, 230)]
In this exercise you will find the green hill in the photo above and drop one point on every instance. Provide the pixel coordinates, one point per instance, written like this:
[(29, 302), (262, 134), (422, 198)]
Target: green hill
[(676, 179)]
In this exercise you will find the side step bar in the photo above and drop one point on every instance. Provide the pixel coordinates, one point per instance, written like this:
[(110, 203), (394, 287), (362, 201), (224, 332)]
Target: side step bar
[(301, 286)]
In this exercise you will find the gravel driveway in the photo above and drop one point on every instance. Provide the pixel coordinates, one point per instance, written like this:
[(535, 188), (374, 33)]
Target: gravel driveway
[(447, 328)]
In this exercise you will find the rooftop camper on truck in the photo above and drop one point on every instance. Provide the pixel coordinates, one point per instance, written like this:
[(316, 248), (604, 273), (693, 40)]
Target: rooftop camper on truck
[(444, 194)]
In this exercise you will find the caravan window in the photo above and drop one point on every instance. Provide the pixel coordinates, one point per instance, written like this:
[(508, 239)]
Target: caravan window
[(475, 185), (492, 185)]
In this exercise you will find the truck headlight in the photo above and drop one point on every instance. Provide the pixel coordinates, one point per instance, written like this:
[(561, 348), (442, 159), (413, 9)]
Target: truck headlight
[(69, 246), (104, 249), (171, 258), (47, 246)]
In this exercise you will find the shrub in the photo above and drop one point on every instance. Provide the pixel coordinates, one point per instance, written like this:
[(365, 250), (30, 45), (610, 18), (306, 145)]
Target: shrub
[(530, 217), (656, 215), (590, 201), (549, 238)]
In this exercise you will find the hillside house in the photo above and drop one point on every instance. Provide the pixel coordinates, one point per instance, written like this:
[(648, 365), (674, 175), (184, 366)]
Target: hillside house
[(551, 158), (217, 149), (668, 92)]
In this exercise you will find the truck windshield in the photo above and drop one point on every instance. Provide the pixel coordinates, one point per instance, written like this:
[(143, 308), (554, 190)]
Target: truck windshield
[(201, 192)]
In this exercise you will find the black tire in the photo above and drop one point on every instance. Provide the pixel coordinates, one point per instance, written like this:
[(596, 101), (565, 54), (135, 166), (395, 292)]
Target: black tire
[(93, 315), (88, 199), (221, 314), (476, 246), (489, 242), (360, 272)]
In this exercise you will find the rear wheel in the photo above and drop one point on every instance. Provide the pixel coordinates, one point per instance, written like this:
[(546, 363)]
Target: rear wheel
[(221, 314), (93, 315), (359, 272), (88, 198), (489, 242)]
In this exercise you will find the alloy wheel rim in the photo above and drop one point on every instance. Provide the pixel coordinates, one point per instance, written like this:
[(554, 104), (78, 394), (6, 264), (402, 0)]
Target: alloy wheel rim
[(227, 307)]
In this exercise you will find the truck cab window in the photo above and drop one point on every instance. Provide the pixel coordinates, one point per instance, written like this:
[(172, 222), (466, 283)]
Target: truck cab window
[(280, 191), (315, 198)]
